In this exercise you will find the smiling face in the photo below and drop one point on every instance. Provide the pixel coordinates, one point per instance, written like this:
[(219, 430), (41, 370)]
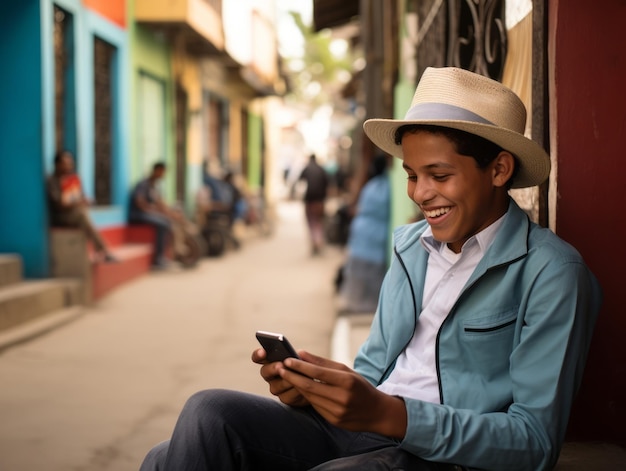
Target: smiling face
[(458, 198)]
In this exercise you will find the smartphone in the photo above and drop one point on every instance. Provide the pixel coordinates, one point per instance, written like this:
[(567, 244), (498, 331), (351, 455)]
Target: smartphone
[(276, 345)]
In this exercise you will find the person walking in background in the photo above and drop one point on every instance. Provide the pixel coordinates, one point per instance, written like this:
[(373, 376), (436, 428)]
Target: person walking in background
[(368, 242), (315, 194), (67, 204), (148, 207)]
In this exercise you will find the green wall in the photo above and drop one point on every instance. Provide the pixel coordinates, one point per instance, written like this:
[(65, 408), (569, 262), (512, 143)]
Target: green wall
[(255, 150), (403, 209), (151, 56)]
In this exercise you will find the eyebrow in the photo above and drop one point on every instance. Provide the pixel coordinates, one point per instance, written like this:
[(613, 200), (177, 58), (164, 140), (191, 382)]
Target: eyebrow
[(436, 165)]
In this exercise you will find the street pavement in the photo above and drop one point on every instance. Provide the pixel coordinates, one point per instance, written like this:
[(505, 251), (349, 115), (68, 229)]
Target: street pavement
[(97, 393)]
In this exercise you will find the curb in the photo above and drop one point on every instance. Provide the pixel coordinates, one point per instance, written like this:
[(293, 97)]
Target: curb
[(40, 326), (349, 332)]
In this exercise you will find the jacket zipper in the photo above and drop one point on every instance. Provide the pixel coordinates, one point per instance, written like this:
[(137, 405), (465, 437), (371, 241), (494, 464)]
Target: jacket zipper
[(451, 314), (406, 272)]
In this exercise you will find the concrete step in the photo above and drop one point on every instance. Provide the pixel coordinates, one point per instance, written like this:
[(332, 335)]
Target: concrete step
[(133, 260), (72, 256), (349, 332), (582, 456), (39, 326), (10, 269), (30, 299)]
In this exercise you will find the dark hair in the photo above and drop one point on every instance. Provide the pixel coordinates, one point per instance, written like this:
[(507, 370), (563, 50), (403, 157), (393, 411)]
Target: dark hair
[(480, 149), (158, 166), (59, 155)]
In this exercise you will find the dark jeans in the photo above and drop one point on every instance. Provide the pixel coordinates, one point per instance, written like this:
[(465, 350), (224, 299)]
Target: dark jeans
[(229, 430), (163, 228)]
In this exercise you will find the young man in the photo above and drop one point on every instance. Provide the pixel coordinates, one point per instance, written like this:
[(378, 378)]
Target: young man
[(68, 205), (147, 207), (482, 329)]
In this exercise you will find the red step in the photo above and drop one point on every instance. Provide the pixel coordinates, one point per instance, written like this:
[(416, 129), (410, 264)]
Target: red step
[(134, 260), (132, 246)]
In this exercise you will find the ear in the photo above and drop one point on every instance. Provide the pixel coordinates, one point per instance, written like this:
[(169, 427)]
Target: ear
[(503, 167)]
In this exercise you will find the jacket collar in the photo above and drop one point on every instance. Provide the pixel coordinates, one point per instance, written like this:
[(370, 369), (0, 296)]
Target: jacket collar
[(510, 243)]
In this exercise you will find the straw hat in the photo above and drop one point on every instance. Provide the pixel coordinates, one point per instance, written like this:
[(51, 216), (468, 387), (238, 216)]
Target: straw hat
[(459, 99)]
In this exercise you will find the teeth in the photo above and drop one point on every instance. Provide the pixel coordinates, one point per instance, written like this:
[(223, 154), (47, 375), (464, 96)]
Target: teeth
[(436, 212)]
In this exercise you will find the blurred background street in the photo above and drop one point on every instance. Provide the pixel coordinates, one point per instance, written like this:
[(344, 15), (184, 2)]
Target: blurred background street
[(97, 393)]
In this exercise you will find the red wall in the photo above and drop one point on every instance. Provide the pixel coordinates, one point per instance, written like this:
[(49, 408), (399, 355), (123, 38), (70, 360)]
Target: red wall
[(588, 65), (114, 10)]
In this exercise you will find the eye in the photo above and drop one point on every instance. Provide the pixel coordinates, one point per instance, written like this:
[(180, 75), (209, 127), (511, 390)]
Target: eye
[(411, 178), (441, 177)]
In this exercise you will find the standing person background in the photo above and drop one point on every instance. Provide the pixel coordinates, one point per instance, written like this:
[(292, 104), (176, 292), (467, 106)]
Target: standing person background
[(315, 195), (368, 242), (147, 207), (67, 204)]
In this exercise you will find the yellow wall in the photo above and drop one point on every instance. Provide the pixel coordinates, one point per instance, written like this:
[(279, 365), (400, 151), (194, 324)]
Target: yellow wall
[(196, 13)]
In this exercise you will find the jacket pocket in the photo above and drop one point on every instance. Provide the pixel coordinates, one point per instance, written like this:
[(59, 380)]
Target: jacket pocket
[(494, 324)]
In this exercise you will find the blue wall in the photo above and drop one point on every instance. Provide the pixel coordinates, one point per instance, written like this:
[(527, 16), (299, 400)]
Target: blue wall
[(23, 223), (27, 121), (95, 25)]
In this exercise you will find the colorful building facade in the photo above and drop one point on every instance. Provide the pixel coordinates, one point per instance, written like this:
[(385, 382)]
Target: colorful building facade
[(123, 84)]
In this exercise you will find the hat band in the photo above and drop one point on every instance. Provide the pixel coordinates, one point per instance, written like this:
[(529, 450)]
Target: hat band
[(432, 111)]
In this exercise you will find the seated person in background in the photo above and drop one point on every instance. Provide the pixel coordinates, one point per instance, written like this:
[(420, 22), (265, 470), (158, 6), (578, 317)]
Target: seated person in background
[(481, 333), (237, 200), (219, 203), (67, 204), (148, 207)]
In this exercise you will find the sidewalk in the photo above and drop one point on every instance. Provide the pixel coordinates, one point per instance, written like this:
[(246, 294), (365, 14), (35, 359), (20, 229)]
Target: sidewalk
[(97, 393)]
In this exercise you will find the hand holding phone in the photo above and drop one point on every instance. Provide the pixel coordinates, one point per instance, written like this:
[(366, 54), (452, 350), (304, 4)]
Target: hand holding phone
[(276, 346)]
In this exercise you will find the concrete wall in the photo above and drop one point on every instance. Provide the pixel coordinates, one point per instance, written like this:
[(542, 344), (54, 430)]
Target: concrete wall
[(588, 113)]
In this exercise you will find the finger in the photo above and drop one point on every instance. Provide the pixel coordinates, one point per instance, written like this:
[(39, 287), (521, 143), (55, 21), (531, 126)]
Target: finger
[(321, 361), (280, 387), (259, 356), (270, 371), (293, 398), (323, 397), (303, 383), (315, 372)]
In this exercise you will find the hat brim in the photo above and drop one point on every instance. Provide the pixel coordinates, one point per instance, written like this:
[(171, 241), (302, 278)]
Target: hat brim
[(533, 160)]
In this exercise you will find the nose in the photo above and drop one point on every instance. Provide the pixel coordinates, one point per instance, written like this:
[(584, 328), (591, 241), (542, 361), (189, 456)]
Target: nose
[(421, 191)]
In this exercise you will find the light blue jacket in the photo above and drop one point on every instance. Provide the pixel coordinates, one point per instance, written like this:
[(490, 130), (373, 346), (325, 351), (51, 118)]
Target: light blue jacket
[(510, 355)]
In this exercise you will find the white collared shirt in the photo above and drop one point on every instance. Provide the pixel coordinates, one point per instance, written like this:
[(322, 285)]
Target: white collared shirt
[(415, 373)]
